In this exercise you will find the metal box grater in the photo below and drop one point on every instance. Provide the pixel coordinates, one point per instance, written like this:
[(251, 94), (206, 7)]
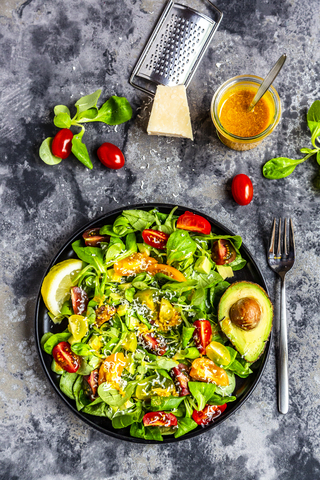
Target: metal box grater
[(175, 47)]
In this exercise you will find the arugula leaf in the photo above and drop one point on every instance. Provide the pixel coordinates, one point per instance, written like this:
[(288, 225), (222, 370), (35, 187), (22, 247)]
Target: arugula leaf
[(53, 340), (185, 425), (80, 151), (62, 120), (201, 392), (180, 246), (61, 109), (88, 101), (45, 153), (67, 381)]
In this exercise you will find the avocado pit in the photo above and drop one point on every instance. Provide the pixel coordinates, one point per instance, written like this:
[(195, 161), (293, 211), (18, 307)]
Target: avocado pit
[(245, 313)]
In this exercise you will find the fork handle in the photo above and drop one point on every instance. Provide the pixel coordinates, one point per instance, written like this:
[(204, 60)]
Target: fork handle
[(283, 383)]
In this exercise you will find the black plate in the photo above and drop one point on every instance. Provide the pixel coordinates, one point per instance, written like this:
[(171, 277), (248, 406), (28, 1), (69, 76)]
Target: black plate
[(244, 387)]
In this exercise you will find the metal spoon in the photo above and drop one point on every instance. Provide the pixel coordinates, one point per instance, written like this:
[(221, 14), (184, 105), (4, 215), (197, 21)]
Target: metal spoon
[(268, 81)]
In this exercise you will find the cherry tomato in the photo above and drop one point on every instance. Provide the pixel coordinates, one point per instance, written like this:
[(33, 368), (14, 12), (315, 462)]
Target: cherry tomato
[(205, 370), (223, 252), (159, 419), (208, 414), (242, 189), (79, 300), (92, 238), (62, 143), (65, 358), (180, 375), (166, 270), (193, 223), (136, 263), (202, 335), (155, 239), (110, 156), (152, 343), (91, 384)]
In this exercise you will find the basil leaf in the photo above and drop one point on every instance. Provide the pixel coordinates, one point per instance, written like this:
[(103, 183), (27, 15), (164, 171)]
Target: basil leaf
[(53, 340), (180, 246), (164, 362), (114, 111), (313, 116), (99, 408), (121, 226), (45, 152), (80, 151), (201, 392), (240, 367), (113, 397), (218, 400), (61, 109), (81, 349), (62, 120), (185, 425), (87, 102), (44, 338), (280, 167), (206, 280), (168, 226), (87, 115), (138, 430), (91, 255), (217, 291)]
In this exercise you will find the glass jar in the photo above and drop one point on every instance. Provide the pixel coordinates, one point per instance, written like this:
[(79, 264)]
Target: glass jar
[(251, 82)]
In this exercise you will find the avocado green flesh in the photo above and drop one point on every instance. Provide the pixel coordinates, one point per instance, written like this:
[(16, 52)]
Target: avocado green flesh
[(249, 343)]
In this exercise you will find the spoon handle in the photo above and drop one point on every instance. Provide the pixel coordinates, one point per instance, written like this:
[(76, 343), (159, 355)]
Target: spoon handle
[(268, 80)]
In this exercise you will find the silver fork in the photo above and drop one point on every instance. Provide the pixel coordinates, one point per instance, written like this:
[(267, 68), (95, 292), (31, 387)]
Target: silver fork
[(281, 263)]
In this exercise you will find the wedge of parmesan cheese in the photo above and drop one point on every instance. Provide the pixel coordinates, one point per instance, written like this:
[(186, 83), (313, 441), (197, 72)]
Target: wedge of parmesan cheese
[(170, 114)]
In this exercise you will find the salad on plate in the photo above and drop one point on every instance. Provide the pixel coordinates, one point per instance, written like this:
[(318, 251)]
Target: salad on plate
[(146, 343)]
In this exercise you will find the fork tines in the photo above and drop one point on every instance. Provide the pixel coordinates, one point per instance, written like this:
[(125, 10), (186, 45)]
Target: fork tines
[(285, 243)]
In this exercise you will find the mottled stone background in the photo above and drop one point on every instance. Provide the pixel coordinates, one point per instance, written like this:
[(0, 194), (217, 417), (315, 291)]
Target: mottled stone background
[(54, 51)]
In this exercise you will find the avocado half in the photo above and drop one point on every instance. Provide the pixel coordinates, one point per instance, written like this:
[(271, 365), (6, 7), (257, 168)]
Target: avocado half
[(248, 341)]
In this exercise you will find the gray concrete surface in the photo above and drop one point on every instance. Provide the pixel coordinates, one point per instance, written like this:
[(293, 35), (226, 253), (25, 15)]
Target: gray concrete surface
[(52, 53)]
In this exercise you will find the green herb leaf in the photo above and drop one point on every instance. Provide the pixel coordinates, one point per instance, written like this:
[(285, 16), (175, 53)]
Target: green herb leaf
[(315, 135), (219, 400), (114, 111), (67, 381), (61, 109), (187, 333), (87, 115), (53, 340), (87, 102), (165, 403), (180, 246), (91, 255), (139, 219), (80, 151), (185, 425), (81, 349), (112, 397), (201, 392), (280, 167), (318, 157), (45, 152), (313, 116), (62, 120)]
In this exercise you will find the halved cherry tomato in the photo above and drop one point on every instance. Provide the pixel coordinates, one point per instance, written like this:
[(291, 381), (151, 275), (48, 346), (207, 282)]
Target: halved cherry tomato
[(208, 414), (205, 370), (91, 384), (167, 270), (136, 263), (65, 358), (62, 143), (159, 419), (79, 300), (92, 238), (111, 369), (202, 335), (180, 375), (110, 156), (242, 189), (153, 343), (223, 252), (155, 239), (193, 223)]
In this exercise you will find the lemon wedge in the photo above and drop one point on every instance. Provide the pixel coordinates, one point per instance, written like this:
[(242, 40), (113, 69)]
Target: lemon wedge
[(56, 285)]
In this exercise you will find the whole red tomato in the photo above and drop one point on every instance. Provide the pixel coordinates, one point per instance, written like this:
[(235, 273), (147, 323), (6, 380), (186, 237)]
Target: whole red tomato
[(193, 223), (110, 156), (155, 239), (62, 143), (202, 334), (65, 358), (242, 189)]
